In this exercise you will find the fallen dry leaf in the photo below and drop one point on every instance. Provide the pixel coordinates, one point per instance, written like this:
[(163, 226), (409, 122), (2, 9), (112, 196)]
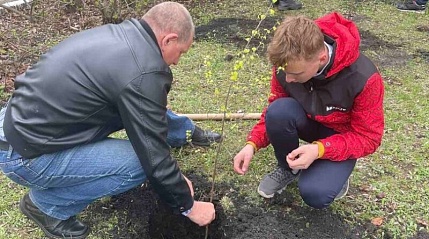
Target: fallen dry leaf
[(422, 222), (377, 221), (380, 195), (365, 188)]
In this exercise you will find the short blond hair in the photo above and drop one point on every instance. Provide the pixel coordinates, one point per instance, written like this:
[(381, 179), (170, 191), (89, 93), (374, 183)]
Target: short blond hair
[(297, 38), (169, 17)]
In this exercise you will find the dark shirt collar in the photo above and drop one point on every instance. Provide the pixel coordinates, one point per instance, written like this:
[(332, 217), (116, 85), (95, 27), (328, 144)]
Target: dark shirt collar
[(150, 32)]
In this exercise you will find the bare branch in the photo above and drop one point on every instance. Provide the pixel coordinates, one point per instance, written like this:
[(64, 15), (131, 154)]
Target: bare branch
[(16, 11)]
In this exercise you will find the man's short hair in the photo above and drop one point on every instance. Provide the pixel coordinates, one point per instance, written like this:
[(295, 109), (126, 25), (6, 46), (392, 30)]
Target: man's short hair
[(171, 17), (297, 38)]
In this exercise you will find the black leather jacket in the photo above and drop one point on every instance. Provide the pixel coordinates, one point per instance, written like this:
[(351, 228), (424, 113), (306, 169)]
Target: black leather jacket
[(92, 84)]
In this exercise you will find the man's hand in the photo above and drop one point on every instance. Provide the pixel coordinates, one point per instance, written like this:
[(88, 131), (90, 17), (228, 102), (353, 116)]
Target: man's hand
[(242, 159), (202, 213), (191, 187), (303, 157)]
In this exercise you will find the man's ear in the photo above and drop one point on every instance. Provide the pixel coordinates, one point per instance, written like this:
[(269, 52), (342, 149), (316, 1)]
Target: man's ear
[(323, 56), (169, 38)]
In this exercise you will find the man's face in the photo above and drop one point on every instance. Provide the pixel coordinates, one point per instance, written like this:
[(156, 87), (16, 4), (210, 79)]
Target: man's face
[(172, 50), (302, 70)]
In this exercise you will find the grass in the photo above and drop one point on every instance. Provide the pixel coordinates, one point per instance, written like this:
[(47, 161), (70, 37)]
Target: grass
[(390, 184)]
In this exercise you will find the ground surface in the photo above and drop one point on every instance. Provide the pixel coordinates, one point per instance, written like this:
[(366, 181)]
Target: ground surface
[(143, 215), (140, 212)]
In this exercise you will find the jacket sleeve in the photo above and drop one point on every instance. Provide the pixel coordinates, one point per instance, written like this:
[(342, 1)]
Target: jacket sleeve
[(142, 106), (258, 134), (366, 124)]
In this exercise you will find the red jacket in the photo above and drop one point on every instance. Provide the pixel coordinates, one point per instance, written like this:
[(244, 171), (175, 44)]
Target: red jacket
[(358, 117)]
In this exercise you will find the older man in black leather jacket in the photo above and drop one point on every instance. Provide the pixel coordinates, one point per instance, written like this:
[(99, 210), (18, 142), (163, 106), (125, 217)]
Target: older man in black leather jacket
[(58, 120)]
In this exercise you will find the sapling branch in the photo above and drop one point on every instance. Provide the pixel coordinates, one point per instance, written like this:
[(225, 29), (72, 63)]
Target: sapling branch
[(234, 76)]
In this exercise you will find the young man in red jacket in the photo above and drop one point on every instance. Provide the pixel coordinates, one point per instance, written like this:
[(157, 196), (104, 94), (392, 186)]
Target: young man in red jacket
[(325, 92)]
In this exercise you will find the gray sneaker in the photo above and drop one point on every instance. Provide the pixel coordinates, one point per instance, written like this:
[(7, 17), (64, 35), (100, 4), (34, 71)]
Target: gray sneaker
[(411, 6), (344, 190), (276, 181), (285, 5)]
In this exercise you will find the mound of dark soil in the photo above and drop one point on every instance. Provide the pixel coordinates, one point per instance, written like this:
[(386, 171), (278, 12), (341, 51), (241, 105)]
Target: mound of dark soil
[(143, 215)]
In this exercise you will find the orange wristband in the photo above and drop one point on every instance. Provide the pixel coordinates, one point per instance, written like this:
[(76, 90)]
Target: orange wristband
[(253, 145), (321, 149)]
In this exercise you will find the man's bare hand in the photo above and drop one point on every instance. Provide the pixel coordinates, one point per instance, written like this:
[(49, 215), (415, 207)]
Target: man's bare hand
[(202, 213), (302, 157), (242, 159)]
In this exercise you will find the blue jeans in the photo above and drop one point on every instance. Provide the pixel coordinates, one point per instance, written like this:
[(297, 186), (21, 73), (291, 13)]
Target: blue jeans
[(178, 127), (64, 183), (286, 123), (422, 2)]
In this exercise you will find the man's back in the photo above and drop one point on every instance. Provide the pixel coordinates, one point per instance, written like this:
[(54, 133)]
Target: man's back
[(70, 95)]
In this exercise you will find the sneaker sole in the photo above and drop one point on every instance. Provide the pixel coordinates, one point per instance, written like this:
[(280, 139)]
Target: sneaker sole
[(47, 233), (204, 144), (345, 193), (288, 9), (413, 11), (270, 195)]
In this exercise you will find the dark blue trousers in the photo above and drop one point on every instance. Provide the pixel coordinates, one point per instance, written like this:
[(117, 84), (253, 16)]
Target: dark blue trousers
[(286, 123)]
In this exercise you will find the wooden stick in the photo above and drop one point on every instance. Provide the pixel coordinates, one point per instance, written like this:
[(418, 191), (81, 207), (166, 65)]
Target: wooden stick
[(16, 11), (231, 116)]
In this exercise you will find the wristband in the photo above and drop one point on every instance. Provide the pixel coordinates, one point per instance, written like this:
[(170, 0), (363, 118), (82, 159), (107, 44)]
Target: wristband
[(253, 145), (321, 149)]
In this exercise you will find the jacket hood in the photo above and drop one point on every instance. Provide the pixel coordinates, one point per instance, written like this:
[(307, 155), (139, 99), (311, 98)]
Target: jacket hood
[(345, 33)]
